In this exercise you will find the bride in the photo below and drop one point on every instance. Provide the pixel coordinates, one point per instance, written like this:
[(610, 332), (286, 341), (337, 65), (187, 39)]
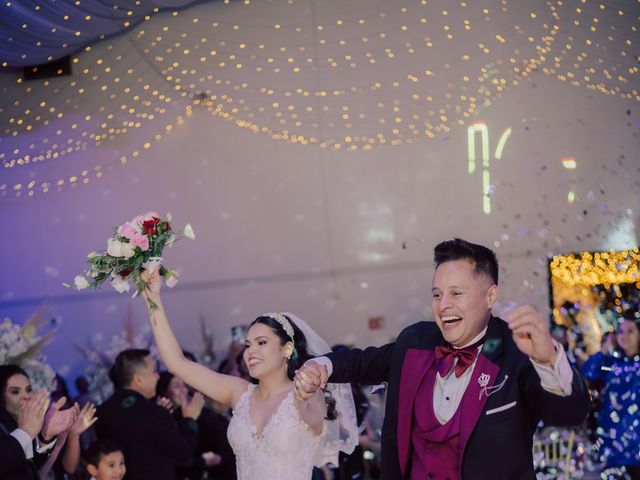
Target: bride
[(274, 434)]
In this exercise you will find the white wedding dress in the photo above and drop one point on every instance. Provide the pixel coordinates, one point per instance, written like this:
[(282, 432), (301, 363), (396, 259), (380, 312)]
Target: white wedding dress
[(284, 450)]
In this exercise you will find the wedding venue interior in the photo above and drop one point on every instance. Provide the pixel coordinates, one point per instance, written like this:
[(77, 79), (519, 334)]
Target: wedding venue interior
[(307, 156)]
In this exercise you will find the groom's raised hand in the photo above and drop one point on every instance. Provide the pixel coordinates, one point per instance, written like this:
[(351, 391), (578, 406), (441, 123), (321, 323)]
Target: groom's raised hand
[(531, 334), (308, 379)]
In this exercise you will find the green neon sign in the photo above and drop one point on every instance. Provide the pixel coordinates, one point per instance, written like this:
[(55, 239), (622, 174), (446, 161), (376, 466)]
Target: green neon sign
[(483, 130)]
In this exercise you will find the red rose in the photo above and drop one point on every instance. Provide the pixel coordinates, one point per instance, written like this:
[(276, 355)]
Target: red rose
[(125, 272), (149, 226)]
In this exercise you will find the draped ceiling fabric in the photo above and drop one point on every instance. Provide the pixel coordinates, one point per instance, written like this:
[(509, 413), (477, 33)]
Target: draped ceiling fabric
[(344, 76), (33, 32)]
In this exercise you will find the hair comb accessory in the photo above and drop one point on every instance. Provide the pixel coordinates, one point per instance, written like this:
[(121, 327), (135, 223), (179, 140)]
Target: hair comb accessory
[(282, 320)]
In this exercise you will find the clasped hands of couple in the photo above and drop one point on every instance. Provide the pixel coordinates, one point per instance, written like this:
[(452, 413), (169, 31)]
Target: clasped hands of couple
[(530, 333)]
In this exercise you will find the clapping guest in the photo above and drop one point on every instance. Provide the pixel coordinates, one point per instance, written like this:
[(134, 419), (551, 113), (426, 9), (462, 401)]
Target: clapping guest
[(214, 456), (152, 442), (26, 417), (71, 457)]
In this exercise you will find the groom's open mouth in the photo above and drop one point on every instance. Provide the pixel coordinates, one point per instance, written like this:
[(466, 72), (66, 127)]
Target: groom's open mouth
[(450, 320)]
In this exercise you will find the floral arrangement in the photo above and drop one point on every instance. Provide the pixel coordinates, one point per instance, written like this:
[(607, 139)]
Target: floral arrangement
[(134, 246), (21, 345), (101, 356)]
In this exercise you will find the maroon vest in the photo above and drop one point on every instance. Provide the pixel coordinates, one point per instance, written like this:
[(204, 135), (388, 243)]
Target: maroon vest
[(436, 447), (424, 445)]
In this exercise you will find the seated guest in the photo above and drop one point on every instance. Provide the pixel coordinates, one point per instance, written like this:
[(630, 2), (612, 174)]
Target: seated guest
[(27, 430), (153, 443), (214, 456), (105, 461)]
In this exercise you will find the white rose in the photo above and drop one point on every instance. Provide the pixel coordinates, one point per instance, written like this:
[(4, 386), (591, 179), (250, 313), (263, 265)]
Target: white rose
[(80, 282), (188, 232), (120, 284), (127, 250), (114, 248)]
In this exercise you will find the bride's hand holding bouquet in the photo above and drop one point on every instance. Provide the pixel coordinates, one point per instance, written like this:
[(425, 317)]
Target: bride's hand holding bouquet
[(133, 248)]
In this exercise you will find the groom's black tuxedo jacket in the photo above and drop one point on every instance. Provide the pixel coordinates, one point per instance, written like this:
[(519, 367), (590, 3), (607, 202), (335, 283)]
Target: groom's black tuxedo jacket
[(498, 444)]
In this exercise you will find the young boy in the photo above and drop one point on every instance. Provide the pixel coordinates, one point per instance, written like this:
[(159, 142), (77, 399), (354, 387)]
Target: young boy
[(105, 461)]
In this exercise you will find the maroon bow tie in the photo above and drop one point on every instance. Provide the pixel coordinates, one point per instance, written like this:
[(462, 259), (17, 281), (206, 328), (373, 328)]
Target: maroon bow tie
[(445, 355)]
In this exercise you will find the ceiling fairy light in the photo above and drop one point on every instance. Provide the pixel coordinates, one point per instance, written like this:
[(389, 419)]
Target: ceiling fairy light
[(339, 78)]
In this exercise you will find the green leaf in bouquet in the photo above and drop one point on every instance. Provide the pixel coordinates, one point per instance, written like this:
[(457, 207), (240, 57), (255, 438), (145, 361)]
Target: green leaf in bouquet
[(101, 277)]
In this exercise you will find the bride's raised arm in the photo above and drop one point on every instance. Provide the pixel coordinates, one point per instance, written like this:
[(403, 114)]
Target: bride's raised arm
[(222, 388)]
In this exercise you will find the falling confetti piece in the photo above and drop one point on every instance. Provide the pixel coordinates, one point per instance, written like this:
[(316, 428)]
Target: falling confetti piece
[(569, 163), (489, 191)]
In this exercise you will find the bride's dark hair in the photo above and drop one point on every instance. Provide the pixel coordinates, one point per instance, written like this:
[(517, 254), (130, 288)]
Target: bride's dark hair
[(300, 353)]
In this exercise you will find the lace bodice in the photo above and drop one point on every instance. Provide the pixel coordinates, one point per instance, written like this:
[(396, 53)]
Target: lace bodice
[(285, 449)]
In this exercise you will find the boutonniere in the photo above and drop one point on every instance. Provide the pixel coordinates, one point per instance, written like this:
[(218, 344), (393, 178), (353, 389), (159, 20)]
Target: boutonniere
[(486, 389)]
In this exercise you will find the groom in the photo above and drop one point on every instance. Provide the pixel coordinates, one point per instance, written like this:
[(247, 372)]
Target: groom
[(466, 392)]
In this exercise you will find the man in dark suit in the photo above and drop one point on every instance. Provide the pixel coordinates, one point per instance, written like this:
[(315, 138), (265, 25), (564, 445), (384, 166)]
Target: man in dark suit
[(153, 442), (466, 392)]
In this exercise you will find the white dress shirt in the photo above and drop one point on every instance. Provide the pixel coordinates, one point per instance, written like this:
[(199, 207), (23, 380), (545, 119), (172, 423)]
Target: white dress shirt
[(26, 442), (449, 390)]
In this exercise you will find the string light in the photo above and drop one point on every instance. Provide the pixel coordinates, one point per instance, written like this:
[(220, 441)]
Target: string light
[(347, 82), (602, 268)]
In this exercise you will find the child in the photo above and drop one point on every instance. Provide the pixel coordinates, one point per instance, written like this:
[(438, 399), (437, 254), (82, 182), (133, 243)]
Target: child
[(105, 461)]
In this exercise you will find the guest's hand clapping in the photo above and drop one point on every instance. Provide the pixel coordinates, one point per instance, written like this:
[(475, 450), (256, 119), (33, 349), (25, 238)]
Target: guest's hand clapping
[(85, 419), (57, 421), (193, 407), (211, 459), (32, 413), (166, 403)]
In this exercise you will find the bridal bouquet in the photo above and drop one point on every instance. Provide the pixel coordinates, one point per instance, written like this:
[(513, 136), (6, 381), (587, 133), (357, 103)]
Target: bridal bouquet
[(135, 246)]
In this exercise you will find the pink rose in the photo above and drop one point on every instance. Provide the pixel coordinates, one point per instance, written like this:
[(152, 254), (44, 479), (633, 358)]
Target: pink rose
[(140, 219), (128, 230), (140, 241)]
